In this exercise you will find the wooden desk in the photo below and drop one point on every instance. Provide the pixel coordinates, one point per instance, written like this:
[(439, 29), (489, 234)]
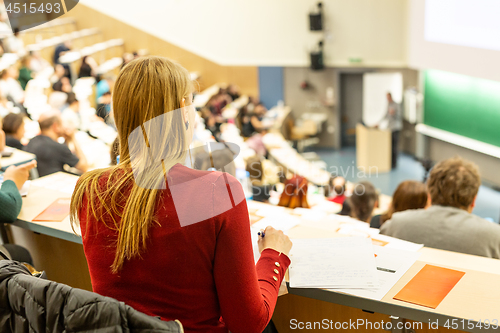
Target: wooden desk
[(18, 157), (59, 252), (54, 246), (476, 297)]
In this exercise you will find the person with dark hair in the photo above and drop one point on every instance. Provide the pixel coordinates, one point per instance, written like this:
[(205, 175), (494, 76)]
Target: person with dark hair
[(233, 91), (251, 122), (363, 201), (50, 154), (448, 224), (104, 106), (13, 126), (62, 49), (211, 123), (88, 67), (410, 194), (337, 184), (63, 85)]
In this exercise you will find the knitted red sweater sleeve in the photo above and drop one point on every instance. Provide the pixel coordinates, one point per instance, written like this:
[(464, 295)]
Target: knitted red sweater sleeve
[(247, 292)]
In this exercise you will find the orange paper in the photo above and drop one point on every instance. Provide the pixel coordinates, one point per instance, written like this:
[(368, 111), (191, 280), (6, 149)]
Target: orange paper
[(430, 286), (379, 242), (56, 212)]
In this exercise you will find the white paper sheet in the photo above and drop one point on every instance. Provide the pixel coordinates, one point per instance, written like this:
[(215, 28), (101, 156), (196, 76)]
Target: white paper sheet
[(392, 264), (283, 222), (345, 262), (61, 182), (271, 211), (25, 189)]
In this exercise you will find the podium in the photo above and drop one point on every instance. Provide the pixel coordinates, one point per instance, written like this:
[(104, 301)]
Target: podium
[(373, 150)]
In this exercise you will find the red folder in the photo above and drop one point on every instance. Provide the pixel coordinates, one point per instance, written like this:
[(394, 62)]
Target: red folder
[(56, 212), (430, 286)]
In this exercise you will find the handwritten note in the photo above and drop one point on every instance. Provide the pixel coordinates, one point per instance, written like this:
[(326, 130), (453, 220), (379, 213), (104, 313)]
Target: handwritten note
[(346, 262)]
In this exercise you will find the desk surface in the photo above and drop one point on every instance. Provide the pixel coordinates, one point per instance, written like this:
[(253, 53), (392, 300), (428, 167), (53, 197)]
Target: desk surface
[(38, 199), (18, 157), (475, 297)]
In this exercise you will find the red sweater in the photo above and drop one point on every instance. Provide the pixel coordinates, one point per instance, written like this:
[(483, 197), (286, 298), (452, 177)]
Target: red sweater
[(197, 273)]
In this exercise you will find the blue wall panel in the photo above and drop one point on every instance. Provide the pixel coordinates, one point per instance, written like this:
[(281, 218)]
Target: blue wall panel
[(271, 85)]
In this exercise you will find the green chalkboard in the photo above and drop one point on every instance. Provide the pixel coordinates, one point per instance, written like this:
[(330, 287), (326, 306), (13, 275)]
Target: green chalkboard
[(463, 105)]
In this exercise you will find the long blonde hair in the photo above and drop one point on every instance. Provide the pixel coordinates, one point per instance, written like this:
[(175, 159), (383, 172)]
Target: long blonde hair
[(147, 100)]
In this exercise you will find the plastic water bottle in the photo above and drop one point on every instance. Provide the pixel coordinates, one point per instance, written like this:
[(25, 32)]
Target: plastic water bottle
[(244, 178)]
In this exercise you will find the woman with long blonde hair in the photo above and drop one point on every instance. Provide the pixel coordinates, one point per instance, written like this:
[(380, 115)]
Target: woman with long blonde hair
[(166, 239)]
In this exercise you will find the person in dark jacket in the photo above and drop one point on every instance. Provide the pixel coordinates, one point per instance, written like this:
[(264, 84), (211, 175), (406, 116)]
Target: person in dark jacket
[(56, 307)]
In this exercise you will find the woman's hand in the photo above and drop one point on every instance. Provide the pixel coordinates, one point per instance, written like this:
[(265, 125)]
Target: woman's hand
[(276, 240)]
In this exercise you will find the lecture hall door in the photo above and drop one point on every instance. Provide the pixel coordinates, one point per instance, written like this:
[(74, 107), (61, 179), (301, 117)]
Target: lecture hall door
[(351, 106)]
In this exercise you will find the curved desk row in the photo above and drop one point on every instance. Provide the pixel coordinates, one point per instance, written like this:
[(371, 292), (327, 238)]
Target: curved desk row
[(476, 298)]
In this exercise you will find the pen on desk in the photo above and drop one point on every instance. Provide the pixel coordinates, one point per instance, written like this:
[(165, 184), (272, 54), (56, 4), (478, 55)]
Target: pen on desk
[(386, 270)]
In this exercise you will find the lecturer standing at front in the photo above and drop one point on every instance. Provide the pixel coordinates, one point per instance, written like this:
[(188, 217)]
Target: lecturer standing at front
[(394, 120)]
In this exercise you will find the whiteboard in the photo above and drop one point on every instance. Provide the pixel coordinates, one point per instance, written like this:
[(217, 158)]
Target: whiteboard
[(375, 89)]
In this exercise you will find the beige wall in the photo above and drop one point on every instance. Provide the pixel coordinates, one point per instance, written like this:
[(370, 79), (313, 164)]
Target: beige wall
[(135, 39), (272, 33), (452, 58)]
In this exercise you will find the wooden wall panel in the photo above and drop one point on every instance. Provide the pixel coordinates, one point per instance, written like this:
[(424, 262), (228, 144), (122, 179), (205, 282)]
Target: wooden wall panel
[(244, 76)]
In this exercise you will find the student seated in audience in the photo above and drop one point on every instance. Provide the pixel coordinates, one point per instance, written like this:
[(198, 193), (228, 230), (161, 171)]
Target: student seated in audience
[(13, 126), (71, 115), (140, 234), (61, 50), (262, 185), (337, 184), (25, 72), (449, 224), (211, 123), (58, 74), (218, 102), (251, 122), (410, 194), (363, 201), (104, 86), (11, 202), (88, 67), (50, 154), (10, 88), (233, 91), (104, 106), (63, 85)]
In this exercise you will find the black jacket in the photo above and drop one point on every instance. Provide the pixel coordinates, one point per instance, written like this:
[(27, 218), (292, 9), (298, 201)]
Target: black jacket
[(30, 304)]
